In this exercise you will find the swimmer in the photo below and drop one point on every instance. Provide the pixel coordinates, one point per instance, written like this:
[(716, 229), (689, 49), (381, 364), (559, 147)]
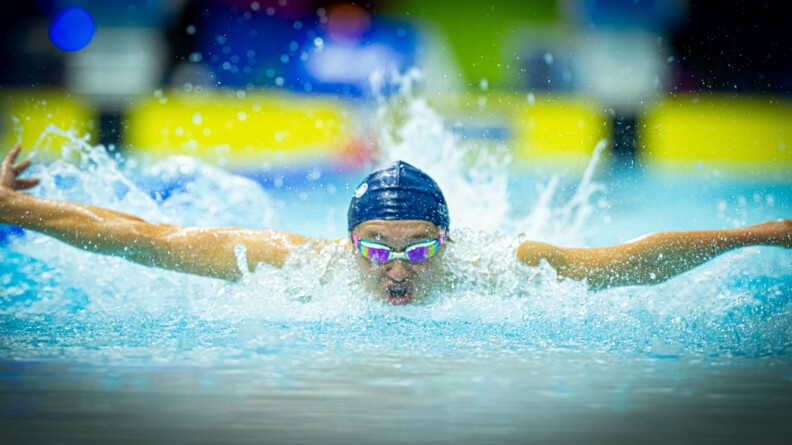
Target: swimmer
[(399, 228)]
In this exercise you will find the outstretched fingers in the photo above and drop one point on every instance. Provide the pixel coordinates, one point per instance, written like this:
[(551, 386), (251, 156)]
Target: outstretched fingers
[(22, 184), (9, 172), (11, 156), (22, 166)]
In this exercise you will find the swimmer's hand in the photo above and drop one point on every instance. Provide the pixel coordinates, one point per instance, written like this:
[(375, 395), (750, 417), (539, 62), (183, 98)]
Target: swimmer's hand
[(9, 172), (773, 233), (653, 258)]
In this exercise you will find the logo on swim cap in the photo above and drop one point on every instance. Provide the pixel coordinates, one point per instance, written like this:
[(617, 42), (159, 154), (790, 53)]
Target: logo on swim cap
[(398, 192), (361, 190)]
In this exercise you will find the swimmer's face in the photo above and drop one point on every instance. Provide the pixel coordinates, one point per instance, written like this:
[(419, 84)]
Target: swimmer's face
[(398, 281)]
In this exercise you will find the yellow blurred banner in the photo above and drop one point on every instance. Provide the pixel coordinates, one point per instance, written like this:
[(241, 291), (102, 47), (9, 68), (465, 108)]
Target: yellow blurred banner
[(39, 119), (558, 131), (239, 128), (562, 130), (729, 134), (744, 134)]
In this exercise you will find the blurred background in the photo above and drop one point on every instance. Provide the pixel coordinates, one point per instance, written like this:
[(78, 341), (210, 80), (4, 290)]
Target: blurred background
[(267, 86)]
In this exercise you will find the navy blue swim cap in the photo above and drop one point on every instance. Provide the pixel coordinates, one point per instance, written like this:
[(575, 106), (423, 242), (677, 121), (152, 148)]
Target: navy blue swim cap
[(398, 192)]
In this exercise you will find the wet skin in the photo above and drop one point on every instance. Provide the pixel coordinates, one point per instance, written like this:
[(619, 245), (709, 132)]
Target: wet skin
[(398, 281)]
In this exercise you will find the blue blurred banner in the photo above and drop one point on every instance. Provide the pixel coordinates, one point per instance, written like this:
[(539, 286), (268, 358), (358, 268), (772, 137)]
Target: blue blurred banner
[(333, 51)]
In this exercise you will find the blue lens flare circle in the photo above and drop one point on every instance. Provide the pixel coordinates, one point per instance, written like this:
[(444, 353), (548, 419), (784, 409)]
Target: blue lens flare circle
[(72, 29)]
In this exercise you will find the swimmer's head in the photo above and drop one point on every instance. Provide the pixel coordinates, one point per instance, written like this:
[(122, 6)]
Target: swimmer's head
[(398, 192)]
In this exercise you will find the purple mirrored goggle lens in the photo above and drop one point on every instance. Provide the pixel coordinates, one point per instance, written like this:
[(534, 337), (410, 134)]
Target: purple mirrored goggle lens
[(375, 254), (421, 253)]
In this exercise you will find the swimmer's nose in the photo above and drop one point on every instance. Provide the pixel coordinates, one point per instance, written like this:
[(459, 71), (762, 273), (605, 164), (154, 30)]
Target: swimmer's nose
[(398, 270)]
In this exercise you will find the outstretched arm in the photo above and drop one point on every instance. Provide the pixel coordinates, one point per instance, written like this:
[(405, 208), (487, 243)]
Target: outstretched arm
[(652, 258), (199, 251)]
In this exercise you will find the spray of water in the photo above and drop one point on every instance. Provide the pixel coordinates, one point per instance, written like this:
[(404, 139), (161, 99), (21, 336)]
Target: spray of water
[(473, 177), (556, 223)]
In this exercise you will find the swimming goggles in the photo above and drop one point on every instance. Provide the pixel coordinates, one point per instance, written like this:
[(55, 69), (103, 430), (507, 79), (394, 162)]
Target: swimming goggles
[(414, 253)]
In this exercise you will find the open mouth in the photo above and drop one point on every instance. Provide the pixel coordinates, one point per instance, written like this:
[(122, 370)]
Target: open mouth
[(399, 294)]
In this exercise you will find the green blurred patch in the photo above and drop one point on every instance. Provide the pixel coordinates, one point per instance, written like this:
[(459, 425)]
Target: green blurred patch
[(477, 30)]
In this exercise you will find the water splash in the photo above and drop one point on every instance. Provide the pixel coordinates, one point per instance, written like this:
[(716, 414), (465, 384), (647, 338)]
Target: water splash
[(558, 223), (473, 177), (88, 174)]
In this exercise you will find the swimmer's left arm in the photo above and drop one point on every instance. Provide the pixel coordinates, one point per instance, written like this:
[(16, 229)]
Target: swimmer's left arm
[(652, 258)]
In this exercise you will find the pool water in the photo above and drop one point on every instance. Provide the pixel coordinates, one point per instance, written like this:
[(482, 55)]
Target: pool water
[(94, 349)]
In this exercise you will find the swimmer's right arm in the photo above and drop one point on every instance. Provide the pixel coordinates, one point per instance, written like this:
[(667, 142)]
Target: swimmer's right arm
[(653, 258), (195, 250)]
